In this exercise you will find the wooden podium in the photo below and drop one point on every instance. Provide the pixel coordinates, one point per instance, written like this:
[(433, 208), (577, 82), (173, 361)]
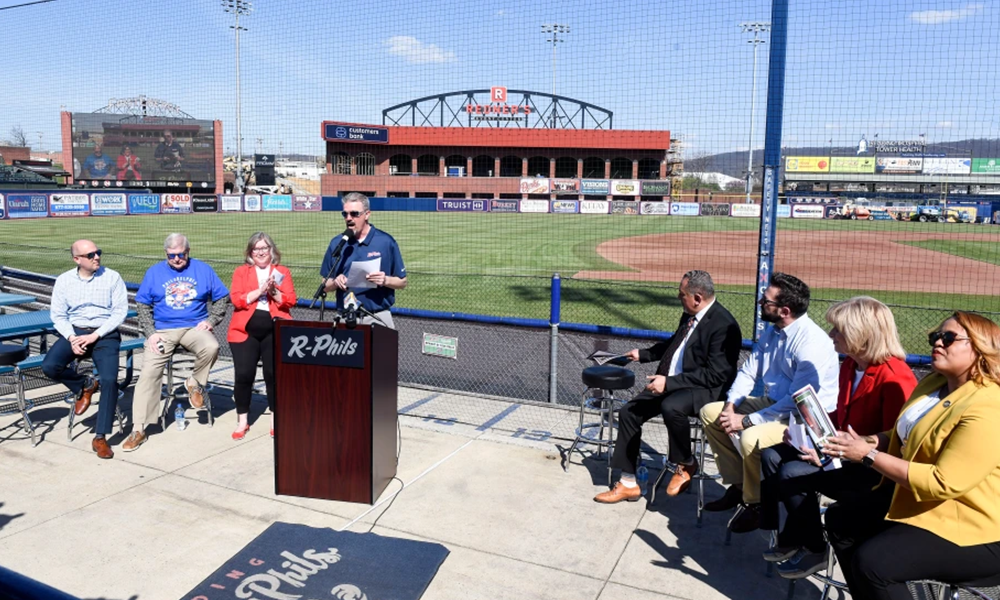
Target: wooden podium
[(335, 422)]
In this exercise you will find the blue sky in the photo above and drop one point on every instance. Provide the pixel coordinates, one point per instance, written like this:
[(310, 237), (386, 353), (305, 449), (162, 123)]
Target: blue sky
[(897, 68)]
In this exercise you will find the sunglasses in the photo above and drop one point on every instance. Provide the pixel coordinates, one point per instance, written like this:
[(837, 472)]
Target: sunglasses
[(176, 256), (947, 338), (90, 255), (354, 213)]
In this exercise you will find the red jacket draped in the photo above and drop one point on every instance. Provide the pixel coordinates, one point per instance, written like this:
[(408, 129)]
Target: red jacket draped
[(881, 394), (244, 282)]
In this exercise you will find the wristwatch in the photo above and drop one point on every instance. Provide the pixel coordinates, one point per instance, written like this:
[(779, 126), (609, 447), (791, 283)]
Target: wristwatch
[(869, 459), (747, 422)]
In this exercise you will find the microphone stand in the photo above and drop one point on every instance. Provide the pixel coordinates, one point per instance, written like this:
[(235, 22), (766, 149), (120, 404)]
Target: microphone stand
[(364, 311), (321, 290)]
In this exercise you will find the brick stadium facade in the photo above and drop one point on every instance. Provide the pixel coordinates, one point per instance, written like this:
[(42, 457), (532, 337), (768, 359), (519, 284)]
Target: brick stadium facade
[(486, 162)]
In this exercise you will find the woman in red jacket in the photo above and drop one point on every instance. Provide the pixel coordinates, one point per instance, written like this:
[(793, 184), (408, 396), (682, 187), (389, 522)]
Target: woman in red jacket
[(262, 291), (875, 382)]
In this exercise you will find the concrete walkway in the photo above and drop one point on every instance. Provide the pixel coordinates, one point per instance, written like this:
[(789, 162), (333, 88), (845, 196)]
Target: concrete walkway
[(153, 523)]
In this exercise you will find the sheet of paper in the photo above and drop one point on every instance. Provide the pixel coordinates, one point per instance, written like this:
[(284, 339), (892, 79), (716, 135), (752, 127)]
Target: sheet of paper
[(798, 434), (360, 269), (278, 277)]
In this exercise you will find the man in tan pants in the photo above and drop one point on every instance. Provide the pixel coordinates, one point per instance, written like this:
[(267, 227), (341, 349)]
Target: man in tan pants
[(791, 354), (180, 301)]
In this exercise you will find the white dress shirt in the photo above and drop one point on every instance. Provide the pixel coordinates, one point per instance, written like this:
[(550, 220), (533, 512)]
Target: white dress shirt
[(100, 302), (787, 360), (677, 362)]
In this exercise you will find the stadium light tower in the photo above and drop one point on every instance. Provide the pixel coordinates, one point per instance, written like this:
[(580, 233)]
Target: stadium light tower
[(553, 32), (756, 28), (237, 8)]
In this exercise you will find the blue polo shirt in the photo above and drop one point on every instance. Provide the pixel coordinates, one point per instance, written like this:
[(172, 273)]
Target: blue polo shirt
[(377, 244), (179, 298)]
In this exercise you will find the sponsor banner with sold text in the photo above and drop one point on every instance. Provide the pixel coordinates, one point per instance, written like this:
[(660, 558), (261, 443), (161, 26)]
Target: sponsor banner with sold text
[(69, 205), (175, 203)]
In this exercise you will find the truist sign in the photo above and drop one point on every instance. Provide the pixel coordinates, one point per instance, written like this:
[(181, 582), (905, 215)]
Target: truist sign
[(498, 109)]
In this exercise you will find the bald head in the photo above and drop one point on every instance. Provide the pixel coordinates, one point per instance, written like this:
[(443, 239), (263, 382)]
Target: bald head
[(86, 256)]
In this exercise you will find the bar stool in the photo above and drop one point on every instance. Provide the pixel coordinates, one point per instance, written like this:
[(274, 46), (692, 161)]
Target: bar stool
[(604, 381)]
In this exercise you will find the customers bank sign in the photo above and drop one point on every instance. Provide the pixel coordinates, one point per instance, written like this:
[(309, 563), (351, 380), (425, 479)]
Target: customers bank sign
[(498, 109)]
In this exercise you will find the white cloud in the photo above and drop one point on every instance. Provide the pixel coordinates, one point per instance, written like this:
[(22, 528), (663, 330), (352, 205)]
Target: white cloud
[(417, 52), (937, 17), (833, 126), (945, 124)]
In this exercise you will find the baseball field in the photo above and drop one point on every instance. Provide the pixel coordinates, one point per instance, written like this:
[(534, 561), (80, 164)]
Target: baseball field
[(615, 269)]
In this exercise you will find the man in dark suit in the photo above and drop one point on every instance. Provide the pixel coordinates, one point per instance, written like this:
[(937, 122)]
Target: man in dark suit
[(696, 367)]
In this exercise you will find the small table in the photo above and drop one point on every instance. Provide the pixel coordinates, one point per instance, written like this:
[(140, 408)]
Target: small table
[(14, 299)]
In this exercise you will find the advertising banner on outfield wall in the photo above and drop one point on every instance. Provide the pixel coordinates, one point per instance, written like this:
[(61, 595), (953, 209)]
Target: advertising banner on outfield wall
[(624, 207), (594, 207), (807, 164), (538, 185), (654, 208), (143, 204), (231, 203), (3, 207), (27, 206), (715, 209), (784, 211), (277, 203), (989, 166), (808, 211), (684, 209), (503, 206), (852, 164), (898, 164), (745, 210), (306, 203), (566, 186), (102, 204), (534, 206), (595, 187), (204, 203), (462, 205), (624, 187), (947, 166), (812, 200), (655, 188), (175, 203), (251, 203), (69, 205), (833, 211), (565, 206)]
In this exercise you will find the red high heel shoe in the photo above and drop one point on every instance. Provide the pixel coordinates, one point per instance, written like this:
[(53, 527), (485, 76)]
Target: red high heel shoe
[(239, 434)]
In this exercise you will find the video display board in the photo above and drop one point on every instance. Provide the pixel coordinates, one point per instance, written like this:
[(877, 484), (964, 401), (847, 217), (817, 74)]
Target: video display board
[(131, 151)]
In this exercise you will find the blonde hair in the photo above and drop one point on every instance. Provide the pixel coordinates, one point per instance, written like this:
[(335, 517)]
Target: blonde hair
[(869, 329), (254, 239), (984, 335)]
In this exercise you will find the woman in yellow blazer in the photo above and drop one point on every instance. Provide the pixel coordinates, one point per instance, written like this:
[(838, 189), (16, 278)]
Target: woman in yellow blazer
[(936, 513)]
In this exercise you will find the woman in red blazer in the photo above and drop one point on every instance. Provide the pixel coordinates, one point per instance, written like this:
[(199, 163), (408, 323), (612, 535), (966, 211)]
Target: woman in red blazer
[(875, 382), (262, 291)]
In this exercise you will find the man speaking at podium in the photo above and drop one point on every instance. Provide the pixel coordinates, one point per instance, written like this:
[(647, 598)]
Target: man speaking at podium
[(370, 268)]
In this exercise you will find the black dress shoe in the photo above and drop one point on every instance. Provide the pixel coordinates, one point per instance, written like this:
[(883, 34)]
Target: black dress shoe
[(730, 500), (746, 519)]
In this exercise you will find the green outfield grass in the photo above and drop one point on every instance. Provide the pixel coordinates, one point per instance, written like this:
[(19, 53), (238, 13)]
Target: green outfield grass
[(496, 264)]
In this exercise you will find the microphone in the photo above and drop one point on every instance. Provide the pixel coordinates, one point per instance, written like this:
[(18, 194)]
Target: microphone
[(347, 236), (344, 239), (350, 310)]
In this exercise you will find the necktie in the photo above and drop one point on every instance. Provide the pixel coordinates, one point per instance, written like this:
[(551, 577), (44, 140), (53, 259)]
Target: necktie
[(675, 343)]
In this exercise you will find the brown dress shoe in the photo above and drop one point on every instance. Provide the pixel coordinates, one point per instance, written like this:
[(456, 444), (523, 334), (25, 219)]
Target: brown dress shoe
[(101, 447), (681, 480), (619, 493), (83, 400), (196, 393), (134, 441)]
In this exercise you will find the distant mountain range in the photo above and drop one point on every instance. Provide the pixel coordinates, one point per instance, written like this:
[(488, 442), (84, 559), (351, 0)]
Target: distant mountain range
[(734, 164)]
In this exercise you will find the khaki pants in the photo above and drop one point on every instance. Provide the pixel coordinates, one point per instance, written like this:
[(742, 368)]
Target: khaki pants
[(146, 398), (741, 467)]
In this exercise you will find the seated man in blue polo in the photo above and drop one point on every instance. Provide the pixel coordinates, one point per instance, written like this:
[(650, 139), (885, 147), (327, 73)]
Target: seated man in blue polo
[(180, 301), (378, 293), (88, 304)]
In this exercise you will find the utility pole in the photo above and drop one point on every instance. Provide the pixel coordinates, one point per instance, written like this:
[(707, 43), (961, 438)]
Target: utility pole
[(756, 28), (553, 31), (237, 8)]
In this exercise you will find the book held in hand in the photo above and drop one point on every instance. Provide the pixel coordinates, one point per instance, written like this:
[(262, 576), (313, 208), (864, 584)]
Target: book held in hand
[(815, 421)]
